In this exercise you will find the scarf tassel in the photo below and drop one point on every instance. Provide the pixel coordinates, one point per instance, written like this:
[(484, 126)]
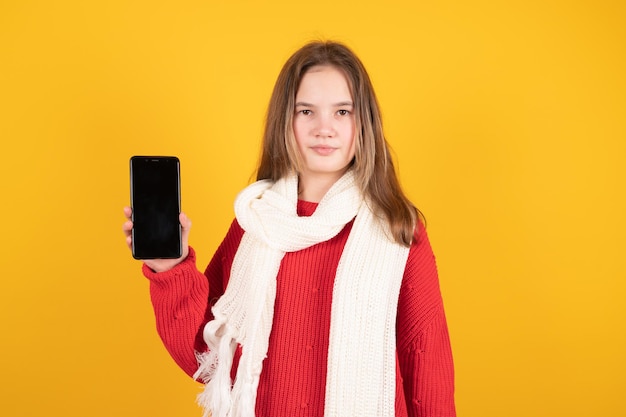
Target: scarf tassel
[(214, 370)]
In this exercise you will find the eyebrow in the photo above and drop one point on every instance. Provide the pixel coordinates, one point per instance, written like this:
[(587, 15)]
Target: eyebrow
[(340, 104)]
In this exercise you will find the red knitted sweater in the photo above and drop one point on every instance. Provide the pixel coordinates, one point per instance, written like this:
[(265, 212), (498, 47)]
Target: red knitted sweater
[(293, 379)]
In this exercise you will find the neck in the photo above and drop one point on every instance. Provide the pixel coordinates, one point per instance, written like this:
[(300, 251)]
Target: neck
[(314, 187)]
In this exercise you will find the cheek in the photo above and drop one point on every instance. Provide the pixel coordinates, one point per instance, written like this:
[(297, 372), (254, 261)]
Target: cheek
[(352, 149), (299, 129), (351, 134), (298, 134)]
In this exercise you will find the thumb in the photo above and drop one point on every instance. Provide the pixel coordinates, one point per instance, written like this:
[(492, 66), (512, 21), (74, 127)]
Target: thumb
[(185, 222)]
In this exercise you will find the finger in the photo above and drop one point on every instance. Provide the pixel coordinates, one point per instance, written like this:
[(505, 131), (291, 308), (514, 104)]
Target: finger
[(185, 222), (127, 227), (128, 212)]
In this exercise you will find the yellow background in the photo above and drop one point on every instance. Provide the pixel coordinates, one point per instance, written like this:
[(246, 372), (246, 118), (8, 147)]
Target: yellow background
[(507, 120)]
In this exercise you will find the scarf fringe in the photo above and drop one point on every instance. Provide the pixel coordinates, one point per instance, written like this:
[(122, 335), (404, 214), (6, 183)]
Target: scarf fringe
[(214, 370)]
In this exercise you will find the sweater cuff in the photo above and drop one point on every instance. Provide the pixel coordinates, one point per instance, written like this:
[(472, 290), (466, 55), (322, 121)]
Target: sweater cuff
[(186, 267)]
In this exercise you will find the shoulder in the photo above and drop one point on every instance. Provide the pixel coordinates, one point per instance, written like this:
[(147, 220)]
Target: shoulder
[(420, 300), (421, 280), (421, 250), (218, 269), (231, 241)]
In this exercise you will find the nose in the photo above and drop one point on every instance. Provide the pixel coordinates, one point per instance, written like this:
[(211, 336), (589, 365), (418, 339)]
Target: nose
[(325, 126)]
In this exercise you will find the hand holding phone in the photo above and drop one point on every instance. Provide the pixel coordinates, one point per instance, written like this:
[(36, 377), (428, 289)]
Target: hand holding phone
[(155, 202), (159, 265)]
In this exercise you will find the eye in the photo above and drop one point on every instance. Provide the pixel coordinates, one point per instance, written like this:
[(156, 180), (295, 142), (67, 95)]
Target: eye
[(343, 112), (305, 112)]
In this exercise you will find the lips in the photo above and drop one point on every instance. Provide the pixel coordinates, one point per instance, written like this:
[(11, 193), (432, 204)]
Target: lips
[(323, 150)]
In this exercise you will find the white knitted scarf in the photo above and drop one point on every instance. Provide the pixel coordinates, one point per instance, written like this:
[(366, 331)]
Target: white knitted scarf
[(362, 346)]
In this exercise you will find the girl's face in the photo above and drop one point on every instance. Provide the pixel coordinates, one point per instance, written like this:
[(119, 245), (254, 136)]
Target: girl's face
[(324, 123)]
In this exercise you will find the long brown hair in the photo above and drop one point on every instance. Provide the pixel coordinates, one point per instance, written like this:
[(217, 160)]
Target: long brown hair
[(373, 166)]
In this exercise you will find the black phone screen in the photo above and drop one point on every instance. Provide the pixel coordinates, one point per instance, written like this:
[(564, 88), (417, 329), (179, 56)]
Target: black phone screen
[(155, 203)]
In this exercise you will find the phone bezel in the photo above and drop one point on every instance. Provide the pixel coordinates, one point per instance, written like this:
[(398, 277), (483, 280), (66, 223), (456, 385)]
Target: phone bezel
[(135, 162)]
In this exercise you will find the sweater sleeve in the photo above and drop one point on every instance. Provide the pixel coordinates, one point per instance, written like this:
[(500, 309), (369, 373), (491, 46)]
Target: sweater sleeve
[(182, 298), (424, 351)]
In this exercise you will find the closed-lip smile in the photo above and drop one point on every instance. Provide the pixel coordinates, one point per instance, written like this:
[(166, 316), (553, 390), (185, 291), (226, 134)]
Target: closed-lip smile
[(323, 149)]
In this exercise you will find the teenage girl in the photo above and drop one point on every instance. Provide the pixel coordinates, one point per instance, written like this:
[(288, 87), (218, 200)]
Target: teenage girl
[(323, 298)]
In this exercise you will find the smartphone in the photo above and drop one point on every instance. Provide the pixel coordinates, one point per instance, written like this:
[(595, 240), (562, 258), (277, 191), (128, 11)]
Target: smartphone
[(155, 203)]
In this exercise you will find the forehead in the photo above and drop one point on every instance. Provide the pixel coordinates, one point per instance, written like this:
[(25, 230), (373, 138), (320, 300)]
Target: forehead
[(324, 79)]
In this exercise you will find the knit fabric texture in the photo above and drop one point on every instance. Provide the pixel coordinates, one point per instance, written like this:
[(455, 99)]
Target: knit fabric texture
[(293, 381), (361, 377)]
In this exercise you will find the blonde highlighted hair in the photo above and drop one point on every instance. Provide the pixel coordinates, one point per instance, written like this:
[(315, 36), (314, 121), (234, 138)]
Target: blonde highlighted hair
[(372, 164)]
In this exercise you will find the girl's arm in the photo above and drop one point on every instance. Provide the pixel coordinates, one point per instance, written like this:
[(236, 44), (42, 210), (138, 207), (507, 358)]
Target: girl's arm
[(424, 351), (179, 298), (182, 298)]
